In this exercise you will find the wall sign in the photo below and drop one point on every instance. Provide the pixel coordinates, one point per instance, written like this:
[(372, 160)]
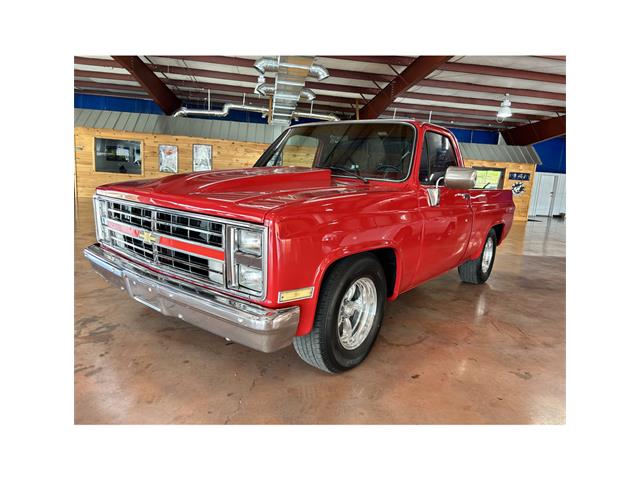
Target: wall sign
[(518, 188), (519, 176)]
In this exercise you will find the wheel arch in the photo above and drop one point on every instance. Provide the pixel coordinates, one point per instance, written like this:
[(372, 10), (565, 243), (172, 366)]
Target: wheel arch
[(499, 229), (390, 260), (386, 255)]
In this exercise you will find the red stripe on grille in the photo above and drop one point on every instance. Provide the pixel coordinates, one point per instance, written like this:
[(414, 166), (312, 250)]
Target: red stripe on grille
[(131, 231), (191, 248), (170, 242)]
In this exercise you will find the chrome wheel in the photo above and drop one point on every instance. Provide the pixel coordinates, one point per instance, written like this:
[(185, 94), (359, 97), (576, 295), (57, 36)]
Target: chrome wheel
[(357, 313), (487, 255)]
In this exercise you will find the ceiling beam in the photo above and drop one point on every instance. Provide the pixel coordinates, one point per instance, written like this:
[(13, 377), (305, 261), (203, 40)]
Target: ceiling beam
[(472, 87), (414, 73), (553, 57), (386, 60), (105, 93), (503, 72), (99, 62), (160, 93), (110, 86), (536, 132)]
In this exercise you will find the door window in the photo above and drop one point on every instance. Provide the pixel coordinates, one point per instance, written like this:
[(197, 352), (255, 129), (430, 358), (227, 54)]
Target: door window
[(437, 155)]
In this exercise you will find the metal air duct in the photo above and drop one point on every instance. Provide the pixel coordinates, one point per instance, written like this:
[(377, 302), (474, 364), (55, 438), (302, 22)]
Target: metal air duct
[(185, 112), (317, 116), (291, 73)]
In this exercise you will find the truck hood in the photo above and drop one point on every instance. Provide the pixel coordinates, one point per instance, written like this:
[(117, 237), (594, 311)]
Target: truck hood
[(243, 194)]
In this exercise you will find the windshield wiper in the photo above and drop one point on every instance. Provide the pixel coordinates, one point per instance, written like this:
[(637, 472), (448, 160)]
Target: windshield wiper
[(337, 168)]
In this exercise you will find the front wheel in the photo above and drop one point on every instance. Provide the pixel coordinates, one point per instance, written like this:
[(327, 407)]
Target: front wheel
[(478, 271), (348, 315)]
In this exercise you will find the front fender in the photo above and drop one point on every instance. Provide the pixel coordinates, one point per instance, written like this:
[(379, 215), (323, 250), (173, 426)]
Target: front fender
[(307, 247)]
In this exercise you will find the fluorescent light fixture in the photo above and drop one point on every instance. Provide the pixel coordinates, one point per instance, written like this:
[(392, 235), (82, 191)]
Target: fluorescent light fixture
[(505, 108)]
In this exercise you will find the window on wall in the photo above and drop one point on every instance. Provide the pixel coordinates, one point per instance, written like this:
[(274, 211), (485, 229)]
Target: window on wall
[(489, 178), (118, 156), (437, 155)]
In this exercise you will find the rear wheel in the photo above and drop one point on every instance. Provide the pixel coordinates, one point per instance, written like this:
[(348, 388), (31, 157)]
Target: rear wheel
[(348, 315), (478, 271)]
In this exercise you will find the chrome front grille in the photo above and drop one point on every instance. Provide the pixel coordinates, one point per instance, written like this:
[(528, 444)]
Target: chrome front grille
[(173, 224), (189, 228)]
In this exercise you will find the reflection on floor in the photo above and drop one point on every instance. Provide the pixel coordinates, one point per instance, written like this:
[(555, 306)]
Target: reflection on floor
[(447, 353)]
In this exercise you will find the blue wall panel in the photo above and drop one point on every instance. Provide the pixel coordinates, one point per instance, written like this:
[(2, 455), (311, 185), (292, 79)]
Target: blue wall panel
[(553, 153), (118, 104), (475, 136)]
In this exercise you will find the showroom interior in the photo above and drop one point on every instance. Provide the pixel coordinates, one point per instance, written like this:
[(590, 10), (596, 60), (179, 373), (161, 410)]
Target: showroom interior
[(447, 352)]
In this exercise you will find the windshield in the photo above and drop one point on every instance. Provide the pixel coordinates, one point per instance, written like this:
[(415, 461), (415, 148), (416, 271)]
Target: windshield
[(379, 151)]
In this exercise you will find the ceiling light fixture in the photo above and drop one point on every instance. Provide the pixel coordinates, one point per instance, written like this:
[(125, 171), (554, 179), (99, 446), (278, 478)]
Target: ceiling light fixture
[(505, 109)]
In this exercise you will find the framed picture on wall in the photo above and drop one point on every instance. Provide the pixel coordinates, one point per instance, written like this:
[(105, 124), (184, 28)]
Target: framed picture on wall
[(201, 158), (168, 158)]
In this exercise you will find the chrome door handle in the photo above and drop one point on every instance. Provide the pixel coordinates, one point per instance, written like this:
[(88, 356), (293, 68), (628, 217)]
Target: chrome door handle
[(466, 196)]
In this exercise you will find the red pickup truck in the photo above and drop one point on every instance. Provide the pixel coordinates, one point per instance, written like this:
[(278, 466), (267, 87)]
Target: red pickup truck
[(334, 220)]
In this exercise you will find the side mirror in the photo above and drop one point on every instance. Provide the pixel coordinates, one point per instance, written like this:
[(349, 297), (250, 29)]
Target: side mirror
[(460, 178)]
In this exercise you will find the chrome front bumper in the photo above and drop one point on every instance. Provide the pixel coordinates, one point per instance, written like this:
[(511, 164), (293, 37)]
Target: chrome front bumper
[(245, 323)]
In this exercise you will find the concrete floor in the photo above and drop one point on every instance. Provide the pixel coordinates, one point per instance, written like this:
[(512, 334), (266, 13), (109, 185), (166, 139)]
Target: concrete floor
[(448, 353)]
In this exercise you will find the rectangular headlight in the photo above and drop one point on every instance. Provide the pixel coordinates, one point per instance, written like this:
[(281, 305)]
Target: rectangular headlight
[(249, 241), (249, 277), (100, 214)]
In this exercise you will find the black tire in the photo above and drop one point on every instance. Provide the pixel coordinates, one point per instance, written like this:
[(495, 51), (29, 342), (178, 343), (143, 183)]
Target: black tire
[(472, 271), (321, 348)]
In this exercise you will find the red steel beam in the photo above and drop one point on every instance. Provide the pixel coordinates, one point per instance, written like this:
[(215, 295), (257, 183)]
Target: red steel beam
[(105, 93), (386, 60), (111, 86), (106, 75), (503, 72), (553, 57), (536, 132), (472, 87), (99, 62), (414, 73), (160, 93)]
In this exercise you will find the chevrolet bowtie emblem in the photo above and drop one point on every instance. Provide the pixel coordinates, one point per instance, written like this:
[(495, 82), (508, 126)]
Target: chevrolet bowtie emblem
[(147, 237)]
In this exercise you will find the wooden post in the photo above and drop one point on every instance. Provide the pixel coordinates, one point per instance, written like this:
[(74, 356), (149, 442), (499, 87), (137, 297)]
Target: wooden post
[(357, 109), (270, 115)]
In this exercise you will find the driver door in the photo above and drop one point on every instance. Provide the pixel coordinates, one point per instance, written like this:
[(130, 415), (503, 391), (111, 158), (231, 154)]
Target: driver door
[(446, 227)]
